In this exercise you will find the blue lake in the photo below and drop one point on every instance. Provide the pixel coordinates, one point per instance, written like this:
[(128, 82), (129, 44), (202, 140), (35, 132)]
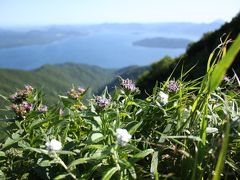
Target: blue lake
[(105, 49)]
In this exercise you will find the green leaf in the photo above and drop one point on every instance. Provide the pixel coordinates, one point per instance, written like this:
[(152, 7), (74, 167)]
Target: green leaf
[(85, 160), (2, 176), (141, 155), (98, 120), (132, 172), (38, 122), (61, 176), (222, 154), (2, 154), (5, 98), (96, 137), (66, 101), (222, 67), (26, 146), (79, 161), (133, 129), (131, 103), (65, 152), (9, 142), (110, 173), (129, 166), (154, 164), (45, 163)]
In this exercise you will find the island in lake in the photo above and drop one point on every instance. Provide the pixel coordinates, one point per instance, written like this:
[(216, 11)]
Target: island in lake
[(161, 42)]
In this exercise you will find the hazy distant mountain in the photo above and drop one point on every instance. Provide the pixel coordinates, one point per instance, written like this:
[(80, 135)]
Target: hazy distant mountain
[(44, 35)]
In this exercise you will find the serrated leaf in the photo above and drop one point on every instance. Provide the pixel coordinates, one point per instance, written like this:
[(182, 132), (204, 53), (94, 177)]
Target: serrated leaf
[(110, 173)]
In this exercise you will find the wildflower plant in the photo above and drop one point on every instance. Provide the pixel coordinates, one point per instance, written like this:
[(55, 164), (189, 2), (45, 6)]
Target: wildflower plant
[(184, 130)]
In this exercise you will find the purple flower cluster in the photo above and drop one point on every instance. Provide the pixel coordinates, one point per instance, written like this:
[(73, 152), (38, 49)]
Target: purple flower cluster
[(75, 93), (42, 109), (102, 102), (226, 79), (172, 86), (129, 85), (22, 109), (22, 94), (19, 99)]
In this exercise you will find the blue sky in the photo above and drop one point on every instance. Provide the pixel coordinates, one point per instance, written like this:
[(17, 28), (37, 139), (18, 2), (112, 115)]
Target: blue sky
[(47, 12)]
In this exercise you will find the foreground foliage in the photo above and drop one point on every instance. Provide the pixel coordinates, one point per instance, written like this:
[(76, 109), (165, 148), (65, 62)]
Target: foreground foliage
[(184, 130)]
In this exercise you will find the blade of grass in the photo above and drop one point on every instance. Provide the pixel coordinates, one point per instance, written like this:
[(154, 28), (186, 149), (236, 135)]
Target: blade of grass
[(222, 155), (222, 67)]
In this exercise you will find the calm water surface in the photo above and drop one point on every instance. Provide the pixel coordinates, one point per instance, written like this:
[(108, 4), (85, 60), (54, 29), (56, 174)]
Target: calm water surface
[(105, 49)]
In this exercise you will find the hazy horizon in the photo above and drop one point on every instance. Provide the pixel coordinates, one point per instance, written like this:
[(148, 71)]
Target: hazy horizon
[(221, 21), (15, 13)]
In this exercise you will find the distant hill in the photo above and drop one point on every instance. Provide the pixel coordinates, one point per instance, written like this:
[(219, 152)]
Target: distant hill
[(196, 54), (56, 79), (44, 35), (161, 42)]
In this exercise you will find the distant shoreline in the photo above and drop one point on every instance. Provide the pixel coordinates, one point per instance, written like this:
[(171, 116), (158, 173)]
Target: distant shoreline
[(14, 40)]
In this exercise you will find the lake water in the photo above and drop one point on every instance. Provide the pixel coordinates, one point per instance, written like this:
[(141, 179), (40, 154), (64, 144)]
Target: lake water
[(105, 49)]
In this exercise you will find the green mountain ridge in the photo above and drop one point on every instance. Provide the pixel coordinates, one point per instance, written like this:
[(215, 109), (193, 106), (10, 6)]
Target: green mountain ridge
[(56, 79), (196, 55)]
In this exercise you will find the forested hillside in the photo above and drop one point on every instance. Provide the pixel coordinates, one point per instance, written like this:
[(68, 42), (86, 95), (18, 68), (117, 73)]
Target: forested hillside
[(56, 79), (196, 54)]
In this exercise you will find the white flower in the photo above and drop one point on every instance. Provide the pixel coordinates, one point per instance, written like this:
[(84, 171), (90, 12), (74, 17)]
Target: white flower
[(163, 98), (53, 145), (210, 130), (123, 137)]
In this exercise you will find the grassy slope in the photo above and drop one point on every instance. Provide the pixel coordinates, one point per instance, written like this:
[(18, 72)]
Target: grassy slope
[(196, 54)]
